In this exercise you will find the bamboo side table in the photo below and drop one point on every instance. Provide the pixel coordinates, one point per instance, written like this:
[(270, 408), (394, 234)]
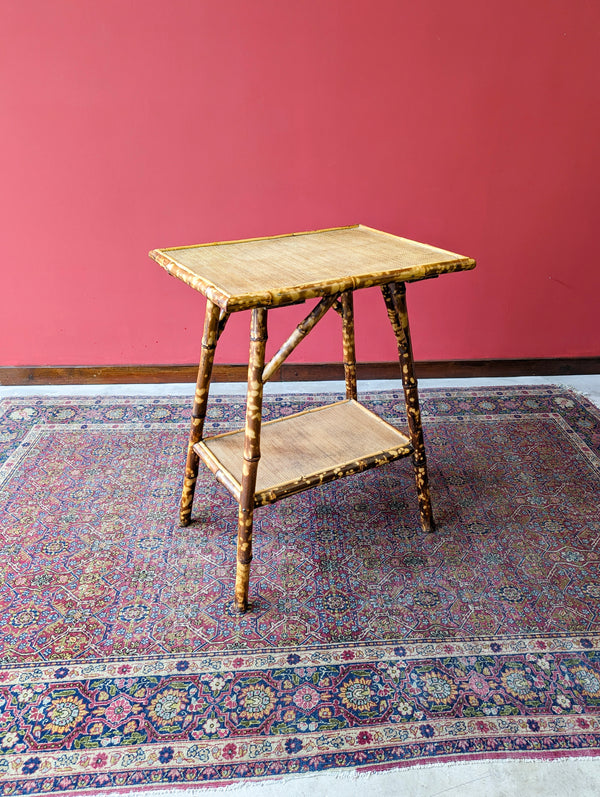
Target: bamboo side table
[(317, 446)]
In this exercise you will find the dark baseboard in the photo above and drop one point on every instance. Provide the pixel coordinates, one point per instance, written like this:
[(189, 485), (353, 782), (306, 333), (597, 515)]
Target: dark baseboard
[(292, 372)]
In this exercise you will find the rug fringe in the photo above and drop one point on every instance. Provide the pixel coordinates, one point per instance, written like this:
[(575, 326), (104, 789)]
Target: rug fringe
[(581, 771)]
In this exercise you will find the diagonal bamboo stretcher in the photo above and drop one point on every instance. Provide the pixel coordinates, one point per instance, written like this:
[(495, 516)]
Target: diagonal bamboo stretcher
[(298, 336)]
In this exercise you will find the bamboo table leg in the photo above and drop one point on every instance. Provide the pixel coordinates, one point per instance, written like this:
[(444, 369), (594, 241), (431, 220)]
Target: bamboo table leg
[(395, 300), (258, 340), (213, 325), (348, 343)]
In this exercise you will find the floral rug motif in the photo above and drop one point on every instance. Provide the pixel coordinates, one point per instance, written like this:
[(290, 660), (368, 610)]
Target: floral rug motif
[(368, 644)]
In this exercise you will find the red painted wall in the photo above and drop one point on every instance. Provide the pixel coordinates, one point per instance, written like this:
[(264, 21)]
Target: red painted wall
[(133, 125)]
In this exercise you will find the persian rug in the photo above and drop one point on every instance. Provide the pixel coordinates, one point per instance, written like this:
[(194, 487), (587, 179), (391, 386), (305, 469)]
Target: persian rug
[(369, 644)]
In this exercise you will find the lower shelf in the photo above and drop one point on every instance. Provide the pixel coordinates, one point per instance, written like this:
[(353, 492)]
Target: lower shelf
[(303, 450)]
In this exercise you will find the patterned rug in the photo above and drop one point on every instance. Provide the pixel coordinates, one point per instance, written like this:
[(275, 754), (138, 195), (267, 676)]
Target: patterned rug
[(368, 645)]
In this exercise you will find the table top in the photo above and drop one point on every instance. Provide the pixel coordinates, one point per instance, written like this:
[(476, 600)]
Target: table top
[(285, 269)]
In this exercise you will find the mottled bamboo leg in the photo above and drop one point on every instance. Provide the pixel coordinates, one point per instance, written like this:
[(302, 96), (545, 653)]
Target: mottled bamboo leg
[(213, 325), (348, 342), (395, 300), (258, 340)]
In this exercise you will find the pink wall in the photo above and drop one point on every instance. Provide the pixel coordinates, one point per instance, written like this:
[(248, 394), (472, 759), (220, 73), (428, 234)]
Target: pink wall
[(132, 125)]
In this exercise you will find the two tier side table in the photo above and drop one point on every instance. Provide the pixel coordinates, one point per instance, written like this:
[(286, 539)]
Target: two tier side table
[(263, 463)]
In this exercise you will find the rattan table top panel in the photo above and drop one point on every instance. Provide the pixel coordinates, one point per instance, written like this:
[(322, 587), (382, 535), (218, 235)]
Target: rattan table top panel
[(284, 269)]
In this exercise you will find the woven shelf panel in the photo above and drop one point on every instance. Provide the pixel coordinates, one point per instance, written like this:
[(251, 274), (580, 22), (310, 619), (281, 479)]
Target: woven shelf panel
[(288, 263), (310, 442)]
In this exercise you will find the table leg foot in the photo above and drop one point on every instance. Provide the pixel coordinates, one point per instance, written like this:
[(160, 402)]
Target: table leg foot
[(187, 500), (242, 580), (423, 494), (428, 525)]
